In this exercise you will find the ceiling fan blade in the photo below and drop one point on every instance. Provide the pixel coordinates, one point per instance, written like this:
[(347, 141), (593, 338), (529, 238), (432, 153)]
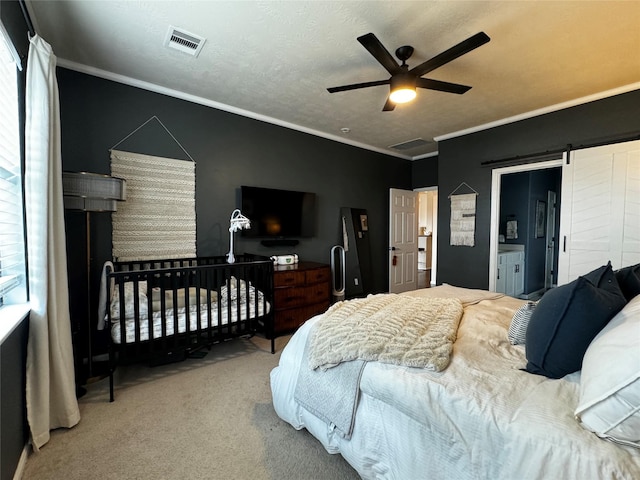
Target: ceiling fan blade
[(388, 106), (451, 54), (381, 54), (355, 86), (442, 86)]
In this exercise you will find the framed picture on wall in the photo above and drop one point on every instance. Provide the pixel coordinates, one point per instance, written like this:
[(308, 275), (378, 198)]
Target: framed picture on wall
[(541, 218)]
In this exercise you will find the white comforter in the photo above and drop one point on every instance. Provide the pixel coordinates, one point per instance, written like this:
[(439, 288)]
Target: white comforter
[(481, 418)]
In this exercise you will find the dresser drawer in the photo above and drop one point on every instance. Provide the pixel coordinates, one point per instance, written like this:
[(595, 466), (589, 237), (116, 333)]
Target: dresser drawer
[(317, 309), (317, 293), (289, 297), (291, 318), (318, 275), (289, 278), (295, 296)]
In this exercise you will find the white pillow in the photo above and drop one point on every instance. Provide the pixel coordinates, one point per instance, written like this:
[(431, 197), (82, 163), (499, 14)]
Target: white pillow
[(156, 294), (234, 284), (609, 402)]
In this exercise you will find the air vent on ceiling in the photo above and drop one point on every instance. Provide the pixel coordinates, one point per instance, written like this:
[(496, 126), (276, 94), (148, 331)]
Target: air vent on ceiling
[(184, 41), (408, 145)]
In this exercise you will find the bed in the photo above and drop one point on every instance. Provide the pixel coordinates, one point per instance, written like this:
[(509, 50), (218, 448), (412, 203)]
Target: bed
[(479, 415), (165, 310)]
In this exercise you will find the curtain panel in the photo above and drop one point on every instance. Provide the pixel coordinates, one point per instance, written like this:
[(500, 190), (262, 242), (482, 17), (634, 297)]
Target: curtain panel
[(51, 389)]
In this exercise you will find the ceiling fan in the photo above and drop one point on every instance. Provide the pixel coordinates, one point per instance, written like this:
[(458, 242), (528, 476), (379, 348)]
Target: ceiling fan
[(403, 81)]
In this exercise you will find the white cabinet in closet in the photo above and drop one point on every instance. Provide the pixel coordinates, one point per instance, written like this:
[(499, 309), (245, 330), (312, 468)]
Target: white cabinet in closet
[(510, 277)]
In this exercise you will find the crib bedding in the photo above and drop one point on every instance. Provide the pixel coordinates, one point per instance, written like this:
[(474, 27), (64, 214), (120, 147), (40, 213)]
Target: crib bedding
[(481, 417), (196, 317)]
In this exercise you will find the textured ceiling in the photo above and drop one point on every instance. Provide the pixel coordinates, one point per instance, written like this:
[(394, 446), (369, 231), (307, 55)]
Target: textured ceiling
[(274, 60)]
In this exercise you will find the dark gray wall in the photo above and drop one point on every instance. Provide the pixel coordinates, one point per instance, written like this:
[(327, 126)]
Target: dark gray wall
[(460, 159), (424, 172), (514, 205), (13, 351), (230, 151), (13, 408)]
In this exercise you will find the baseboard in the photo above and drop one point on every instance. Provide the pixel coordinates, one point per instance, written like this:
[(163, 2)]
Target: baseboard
[(22, 462)]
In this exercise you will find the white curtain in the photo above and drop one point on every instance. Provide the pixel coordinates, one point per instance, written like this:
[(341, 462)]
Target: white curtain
[(51, 391)]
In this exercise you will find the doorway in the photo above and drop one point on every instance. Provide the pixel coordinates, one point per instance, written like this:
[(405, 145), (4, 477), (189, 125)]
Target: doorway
[(521, 238), (412, 238), (427, 235)]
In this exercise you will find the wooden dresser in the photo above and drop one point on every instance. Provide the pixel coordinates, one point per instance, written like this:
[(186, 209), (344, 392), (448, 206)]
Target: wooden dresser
[(301, 291)]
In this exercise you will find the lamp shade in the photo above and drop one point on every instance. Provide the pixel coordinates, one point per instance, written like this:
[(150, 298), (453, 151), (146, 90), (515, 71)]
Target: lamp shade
[(403, 88), (92, 192)]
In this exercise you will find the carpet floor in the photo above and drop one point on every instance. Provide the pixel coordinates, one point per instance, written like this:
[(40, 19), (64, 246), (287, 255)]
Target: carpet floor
[(206, 418)]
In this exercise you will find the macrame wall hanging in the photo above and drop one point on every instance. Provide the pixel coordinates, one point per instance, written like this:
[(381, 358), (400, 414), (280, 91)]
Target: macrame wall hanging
[(158, 220), (463, 217)]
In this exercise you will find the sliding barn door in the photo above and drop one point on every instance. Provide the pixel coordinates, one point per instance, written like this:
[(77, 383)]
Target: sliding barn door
[(600, 216)]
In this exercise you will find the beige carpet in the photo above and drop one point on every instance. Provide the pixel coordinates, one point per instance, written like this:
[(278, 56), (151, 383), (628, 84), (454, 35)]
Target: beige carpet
[(209, 418)]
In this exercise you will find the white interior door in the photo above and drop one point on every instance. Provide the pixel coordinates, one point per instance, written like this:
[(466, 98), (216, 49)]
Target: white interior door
[(403, 240), (600, 209)]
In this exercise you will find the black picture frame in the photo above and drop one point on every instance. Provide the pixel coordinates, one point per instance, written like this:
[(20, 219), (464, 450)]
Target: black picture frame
[(541, 218)]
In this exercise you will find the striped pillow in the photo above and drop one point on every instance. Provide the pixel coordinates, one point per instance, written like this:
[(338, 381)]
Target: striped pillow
[(519, 323)]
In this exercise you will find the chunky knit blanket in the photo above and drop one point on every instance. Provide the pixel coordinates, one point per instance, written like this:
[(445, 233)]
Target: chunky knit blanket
[(388, 328)]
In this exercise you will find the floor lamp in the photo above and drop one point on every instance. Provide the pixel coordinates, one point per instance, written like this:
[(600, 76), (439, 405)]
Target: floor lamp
[(91, 192)]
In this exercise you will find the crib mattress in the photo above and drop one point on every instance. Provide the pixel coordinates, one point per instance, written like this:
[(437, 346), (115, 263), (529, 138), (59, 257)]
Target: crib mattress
[(195, 318)]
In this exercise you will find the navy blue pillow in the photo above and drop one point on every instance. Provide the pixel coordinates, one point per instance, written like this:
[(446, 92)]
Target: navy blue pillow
[(629, 280), (567, 319)]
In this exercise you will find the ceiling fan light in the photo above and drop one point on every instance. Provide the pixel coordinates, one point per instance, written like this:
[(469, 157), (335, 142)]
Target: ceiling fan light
[(403, 88), (403, 95)]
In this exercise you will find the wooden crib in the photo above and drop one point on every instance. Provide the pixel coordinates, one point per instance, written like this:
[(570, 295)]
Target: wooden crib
[(164, 310)]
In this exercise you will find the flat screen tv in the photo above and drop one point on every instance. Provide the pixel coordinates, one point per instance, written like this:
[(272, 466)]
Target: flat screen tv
[(278, 214)]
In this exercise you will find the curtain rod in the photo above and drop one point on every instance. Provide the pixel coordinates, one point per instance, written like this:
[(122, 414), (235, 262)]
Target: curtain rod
[(27, 17)]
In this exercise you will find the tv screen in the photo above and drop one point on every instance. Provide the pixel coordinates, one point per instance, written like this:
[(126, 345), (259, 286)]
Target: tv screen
[(278, 213)]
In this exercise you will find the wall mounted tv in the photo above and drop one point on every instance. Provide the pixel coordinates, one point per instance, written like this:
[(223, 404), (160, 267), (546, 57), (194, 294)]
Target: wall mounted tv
[(278, 214)]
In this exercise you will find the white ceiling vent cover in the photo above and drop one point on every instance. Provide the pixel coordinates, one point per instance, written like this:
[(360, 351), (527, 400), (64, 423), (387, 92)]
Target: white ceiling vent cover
[(184, 41)]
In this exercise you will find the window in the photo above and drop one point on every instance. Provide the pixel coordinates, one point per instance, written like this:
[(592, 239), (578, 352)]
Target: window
[(12, 245)]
